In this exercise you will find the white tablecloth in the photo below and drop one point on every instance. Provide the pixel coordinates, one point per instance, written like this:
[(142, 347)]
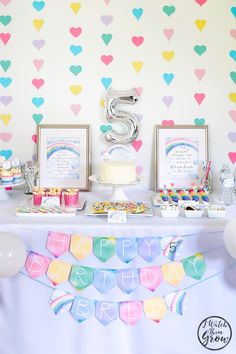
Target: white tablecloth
[(29, 326)]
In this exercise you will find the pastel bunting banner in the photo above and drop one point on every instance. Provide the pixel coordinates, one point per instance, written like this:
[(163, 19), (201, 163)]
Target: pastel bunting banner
[(103, 248), (130, 312), (149, 277)]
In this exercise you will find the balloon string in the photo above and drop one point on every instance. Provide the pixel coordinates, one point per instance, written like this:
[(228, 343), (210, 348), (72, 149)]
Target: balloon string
[(184, 289)]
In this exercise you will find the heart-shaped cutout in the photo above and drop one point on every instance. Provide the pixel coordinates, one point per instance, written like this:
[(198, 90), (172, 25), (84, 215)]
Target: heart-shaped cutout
[(106, 37), (5, 118), (5, 136), (199, 121), (233, 33), (5, 2), (168, 122), (38, 5), (5, 20), (75, 6), (75, 31), (35, 138), (75, 108), (232, 156), (168, 32), (106, 19), (200, 24), (139, 170), (199, 97), (37, 118), (201, 2), (38, 63), (137, 40), (139, 90), (75, 89), (200, 49), (232, 97), (37, 83), (106, 82), (168, 10), (5, 64), (168, 55), (199, 73), (105, 128), (137, 12), (137, 144), (137, 66), (106, 59), (6, 153), (232, 114), (5, 37), (232, 136)]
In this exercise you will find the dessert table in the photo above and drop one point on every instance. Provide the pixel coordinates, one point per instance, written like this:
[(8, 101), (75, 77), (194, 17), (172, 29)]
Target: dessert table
[(29, 326)]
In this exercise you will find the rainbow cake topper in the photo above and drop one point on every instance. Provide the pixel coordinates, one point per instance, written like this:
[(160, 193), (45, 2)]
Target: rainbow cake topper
[(118, 153)]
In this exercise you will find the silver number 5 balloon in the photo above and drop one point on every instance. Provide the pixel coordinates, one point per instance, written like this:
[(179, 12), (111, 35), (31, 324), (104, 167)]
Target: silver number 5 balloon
[(127, 119)]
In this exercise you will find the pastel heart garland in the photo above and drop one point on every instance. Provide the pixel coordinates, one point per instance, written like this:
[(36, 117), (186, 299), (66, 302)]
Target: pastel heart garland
[(137, 65), (75, 108), (5, 64), (199, 121), (137, 144), (200, 49), (5, 2), (35, 138), (199, 73), (5, 100), (168, 32), (5, 20), (137, 40), (168, 122), (138, 13), (168, 78), (168, 10), (106, 82), (201, 2), (38, 43), (106, 37), (106, 59), (5, 136), (37, 118), (75, 7), (106, 19), (232, 157), (38, 63), (6, 153), (232, 115), (37, 83), (232, 136), (76, 31), (199, 97), (38, 5), (5, 37)]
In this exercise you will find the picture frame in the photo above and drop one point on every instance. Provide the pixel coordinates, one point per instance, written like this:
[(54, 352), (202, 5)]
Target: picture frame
[(64, 156), (180, 151)]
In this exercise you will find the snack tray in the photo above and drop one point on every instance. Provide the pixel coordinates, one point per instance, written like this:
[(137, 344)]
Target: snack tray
[(45, 212), (89, 206)]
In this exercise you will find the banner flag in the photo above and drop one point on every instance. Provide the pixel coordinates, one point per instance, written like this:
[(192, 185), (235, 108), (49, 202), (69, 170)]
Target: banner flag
[(81, 277), (82, 309), (58, 271), (130, 311), (36, 264), (150, 277), (61, 301), (58, 243), (172, 248), (126, 249), (173, 273), (194, 266), (149, 248), (104, 248), (81, 246), (127, 280), (104, 280), (155, 308), (106, 311), (176, 301)]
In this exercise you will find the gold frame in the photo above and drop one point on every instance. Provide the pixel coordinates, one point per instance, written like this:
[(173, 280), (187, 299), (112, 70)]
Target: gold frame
[(82, 132), (160, 163)]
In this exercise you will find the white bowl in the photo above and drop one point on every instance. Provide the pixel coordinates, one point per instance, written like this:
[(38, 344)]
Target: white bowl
[(170, 211), (195, 213), (216, 212)]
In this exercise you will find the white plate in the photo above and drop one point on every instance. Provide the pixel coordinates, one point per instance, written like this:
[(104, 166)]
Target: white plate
[(89, 205), (35, 212)]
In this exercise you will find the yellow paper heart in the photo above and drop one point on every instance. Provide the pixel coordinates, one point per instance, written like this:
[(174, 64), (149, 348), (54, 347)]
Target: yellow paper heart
[(38, 24), (75, 6), (168, 55), (102, 103), (75, 89), (200, 24), (5, 118), (232, 97), (137, 65)]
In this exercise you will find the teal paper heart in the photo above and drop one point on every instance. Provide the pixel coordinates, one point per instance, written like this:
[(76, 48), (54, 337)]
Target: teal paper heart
[(233, 10), (168, 77), (232, 53), (37, 101), (199, 121), (168, 10), (137, 13), (75, 69), (5, 20), (106, 37), (233, 76), (75, 49), (106, 81), (6, 153), (37, 118), (5, 81), (5, 64), (105, 128), (200, 49), (38, 5)]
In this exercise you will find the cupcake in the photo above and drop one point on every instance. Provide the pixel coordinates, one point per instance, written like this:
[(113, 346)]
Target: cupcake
[(195, 197), (71, 197), (164, 197), (184, 195), (38, 194), (55, 192), (6, 176), (16, 172), (174, 197)]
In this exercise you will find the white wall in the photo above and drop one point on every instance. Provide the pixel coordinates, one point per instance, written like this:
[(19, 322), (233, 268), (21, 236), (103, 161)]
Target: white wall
[(59, 18)]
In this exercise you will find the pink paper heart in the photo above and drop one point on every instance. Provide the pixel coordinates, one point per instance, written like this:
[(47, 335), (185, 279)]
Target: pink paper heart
[(233, 33), (5, 136), (106, 59), (75, 108), (38, 63), (168, 122), (199, 97), (35, 138), (168, 32), (201, 2), (199, 73), (107, 1), (139, 90), (232, 136), (75, 31), (38, 83), (5, 2), (137, 40), (139, 170), (232, 156), (233, 115), (137, 144), (5, 37)]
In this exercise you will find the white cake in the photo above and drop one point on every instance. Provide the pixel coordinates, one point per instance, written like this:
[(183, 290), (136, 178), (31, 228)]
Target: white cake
[(118, 172)]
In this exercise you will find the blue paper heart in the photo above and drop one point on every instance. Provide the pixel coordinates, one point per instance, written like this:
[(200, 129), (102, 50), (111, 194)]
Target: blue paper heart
[(232, 53), (6, 153), (37, 118), (105, 128), (5, 81), (106, 81), (233, 10), (38, 101), (75, 69), (233, 76), (137, 13), (199, 121), (76, 49), (168, 77), (38, 5)]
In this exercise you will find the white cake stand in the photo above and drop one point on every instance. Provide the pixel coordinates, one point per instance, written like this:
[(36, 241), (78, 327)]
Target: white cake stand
[(3, 192), (118, 193)]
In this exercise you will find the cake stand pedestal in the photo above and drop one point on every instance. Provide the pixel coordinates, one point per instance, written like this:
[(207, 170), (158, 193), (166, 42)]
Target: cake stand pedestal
[(4, 195), (118, 193)]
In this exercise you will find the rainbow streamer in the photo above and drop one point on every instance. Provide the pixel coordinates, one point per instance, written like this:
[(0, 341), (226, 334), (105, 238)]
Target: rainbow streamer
[(171, 248)]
